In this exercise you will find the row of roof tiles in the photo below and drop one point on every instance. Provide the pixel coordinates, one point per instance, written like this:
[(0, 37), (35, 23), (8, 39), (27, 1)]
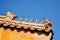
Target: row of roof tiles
[(8, 20), (25, 25)]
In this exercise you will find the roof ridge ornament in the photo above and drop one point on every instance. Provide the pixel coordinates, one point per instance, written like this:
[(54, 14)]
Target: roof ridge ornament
[(48, 22), (11, 16), (26, 20), (43, 21), (20, 19), (31, 20), (36, 21), (48, 25)]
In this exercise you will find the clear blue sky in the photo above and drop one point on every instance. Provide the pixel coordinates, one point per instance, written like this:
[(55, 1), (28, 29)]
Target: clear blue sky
[(35, 9)]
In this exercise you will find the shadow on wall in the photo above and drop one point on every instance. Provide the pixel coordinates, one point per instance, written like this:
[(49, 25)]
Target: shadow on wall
[(26, 30)]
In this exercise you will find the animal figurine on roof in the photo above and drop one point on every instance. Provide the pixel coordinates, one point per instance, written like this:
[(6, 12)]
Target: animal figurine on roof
[(47, 25), (10, 15)]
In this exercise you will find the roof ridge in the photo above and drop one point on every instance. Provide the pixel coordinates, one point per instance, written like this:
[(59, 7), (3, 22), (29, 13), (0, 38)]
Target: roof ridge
[(8, 20)]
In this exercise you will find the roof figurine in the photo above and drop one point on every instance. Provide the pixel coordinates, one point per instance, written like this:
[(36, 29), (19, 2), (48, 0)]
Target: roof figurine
[(8, 18), (31, 21), (36, 21), (43, 21), (21, 19), (48, 22), (26, 20), (48, 25), (11, 16)]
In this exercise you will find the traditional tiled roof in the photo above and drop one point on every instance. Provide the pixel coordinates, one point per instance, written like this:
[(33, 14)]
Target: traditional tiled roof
[(8, 20)]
